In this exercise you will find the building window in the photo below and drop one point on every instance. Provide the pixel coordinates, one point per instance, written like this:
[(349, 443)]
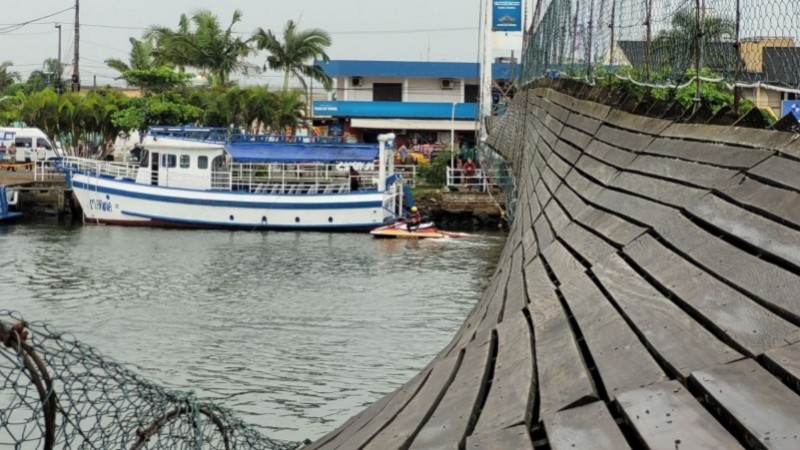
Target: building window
[(184, 161), (202, 162), (471, 93), (387, 92), (791, 96)]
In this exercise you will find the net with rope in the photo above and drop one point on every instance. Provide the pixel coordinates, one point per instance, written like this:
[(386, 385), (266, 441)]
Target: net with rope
[(59, 393)]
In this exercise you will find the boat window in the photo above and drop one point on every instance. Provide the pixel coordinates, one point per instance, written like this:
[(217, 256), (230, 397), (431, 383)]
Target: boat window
[(168, 160), (202, 162), (184, 161), (144, 159)]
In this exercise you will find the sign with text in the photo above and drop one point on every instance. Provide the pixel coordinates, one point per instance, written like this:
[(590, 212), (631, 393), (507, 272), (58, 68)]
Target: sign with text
[(791, 106), (506, 15)]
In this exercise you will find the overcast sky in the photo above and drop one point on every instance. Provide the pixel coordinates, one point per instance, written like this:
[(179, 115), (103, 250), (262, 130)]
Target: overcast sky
[(439, 30)]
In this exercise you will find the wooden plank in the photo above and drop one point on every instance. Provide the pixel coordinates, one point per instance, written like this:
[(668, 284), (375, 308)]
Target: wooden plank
[(399, 400), (599, 171), (621, 359), (771, 284), (562, 374), (455, 413), (559, 166), (589, 426), (657, 189), (561, 262), (613, 156), (567, 152), (681, 343), (770, 237), (352, 425), (666, 416), (637, 209), (590, 247), (695, 174), (557, 111), (641, 124), (785, 361), (734, 318), (722, 155), (765, 409), (552, 181), (508, 438), (544, 235), (557, 217), (576, 137), (406, 423), (587, 125), (516, 297), (495, 305), (778, 203), (583, 185), (509, 401), (779, 170), (632, 141), (570, 201), (614, 228)]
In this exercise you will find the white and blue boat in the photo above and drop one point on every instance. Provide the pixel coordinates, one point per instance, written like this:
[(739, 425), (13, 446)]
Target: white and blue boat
[(248, 183), (8, 198)]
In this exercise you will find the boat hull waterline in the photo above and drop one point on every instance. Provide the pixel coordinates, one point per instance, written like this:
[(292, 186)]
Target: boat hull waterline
[(124, 202)]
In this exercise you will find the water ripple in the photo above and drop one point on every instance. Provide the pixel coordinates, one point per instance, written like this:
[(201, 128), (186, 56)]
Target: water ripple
[(295, 331)]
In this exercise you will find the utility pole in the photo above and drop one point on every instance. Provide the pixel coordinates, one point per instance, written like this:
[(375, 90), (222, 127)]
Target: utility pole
[(76, 77), (58, 66), (485, 70)]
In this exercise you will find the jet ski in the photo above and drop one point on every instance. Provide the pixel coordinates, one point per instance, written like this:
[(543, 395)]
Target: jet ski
[(426, 230)]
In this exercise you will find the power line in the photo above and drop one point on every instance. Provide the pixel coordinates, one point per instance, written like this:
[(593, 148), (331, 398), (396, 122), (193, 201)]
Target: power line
[(16, 26)]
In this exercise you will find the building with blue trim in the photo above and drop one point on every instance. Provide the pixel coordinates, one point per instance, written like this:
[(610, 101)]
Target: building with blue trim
[(419, 101)]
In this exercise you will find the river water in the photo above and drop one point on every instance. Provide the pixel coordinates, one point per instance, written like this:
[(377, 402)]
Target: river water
[(296, 332)]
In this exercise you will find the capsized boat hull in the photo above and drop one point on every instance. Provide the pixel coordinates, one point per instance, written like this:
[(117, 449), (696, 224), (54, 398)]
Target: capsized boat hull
[(425, 231)]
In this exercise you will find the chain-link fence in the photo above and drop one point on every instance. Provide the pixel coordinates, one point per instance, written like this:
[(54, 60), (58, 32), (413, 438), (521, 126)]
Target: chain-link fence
[(752, 45), (58, 393)]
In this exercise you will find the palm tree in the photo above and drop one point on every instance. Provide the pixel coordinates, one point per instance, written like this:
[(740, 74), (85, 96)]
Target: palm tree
[(675, 48), (202, 43), (297, 54), (7, 77), (141, 57)]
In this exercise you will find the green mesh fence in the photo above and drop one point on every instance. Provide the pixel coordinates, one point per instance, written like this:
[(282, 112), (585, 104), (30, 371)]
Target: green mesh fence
[(58, 393), (750, 44)]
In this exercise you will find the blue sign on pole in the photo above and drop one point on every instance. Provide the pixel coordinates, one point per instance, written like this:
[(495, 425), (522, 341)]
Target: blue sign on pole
[(791, 106), (506, 15)]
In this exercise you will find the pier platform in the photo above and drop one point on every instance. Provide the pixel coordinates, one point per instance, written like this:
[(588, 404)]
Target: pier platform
[(647, 296)]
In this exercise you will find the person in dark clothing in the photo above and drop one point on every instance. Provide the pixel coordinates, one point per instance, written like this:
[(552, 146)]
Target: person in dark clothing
[(414, 219), (355, 179)]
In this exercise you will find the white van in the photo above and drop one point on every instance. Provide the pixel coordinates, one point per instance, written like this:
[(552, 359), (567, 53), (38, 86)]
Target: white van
[(32, 144)]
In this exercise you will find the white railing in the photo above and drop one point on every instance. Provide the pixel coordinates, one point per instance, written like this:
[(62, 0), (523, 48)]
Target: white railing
[(97, 167), (479, 181), (409, 172)]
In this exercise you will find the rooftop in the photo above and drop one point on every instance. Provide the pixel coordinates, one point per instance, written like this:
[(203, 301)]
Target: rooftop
[(410, 69)]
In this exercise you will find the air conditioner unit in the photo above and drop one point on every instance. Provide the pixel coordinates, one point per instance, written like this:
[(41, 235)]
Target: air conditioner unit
[(358, 81), (447, 83)]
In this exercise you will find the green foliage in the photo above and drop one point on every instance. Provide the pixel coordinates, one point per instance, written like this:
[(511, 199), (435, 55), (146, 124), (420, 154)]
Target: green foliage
[(160, 79), (201, 42), (435, 173), (296, 53)]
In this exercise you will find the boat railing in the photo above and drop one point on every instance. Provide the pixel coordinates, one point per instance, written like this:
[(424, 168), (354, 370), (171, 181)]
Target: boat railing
[(97, 167), (299, 178)]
